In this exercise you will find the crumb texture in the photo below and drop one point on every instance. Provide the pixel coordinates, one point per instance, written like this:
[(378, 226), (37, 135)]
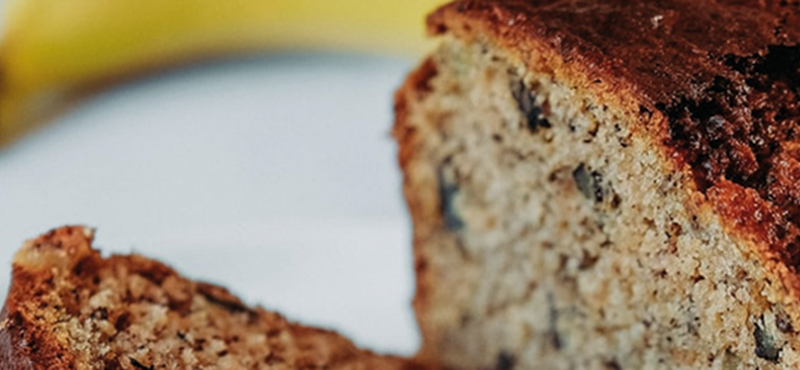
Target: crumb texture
[(69, 308), (723, 75), (550, 233)]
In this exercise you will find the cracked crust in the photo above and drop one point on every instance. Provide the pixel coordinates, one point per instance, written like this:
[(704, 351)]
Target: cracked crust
[(70, 308)]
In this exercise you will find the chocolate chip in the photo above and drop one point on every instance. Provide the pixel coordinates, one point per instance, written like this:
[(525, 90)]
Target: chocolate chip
[(534, 115), (765, 343), (447, 194), (589, 183)]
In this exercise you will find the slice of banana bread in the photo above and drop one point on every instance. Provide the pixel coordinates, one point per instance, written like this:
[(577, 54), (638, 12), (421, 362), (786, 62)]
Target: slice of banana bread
[(69, 308), (607, 184)]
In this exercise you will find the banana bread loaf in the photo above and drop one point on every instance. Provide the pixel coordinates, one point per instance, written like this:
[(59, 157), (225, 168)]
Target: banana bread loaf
[(607, 184), (69, 308)]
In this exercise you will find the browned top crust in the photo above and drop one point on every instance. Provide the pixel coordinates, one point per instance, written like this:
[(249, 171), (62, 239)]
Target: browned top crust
[(715, 82), (64, 257)]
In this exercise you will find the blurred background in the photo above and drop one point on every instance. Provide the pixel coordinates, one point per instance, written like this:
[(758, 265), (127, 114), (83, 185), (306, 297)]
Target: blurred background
[(270, 172)]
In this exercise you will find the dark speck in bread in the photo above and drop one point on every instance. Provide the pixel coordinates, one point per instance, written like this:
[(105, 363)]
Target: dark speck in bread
[(766, 347), (447, 193), (139, 365), (589, 183), (534, 115), (505, 361), (719, 80)]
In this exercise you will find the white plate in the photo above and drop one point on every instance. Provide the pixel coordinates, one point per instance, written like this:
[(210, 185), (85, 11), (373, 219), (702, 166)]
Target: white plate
[(274, 176)]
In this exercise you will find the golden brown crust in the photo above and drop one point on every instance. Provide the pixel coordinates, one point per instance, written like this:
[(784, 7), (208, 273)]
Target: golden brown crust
[(65, 256), (415, 88), (663, 50), (23, 343), (715, 83)]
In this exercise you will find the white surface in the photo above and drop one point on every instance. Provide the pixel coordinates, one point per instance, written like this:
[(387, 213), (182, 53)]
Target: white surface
[(275, 177)]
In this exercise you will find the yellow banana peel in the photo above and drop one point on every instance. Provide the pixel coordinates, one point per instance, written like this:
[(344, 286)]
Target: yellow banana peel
[(54, 52)]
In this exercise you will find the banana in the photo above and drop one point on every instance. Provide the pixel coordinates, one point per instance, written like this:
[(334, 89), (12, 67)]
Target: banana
[(54, 53)]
